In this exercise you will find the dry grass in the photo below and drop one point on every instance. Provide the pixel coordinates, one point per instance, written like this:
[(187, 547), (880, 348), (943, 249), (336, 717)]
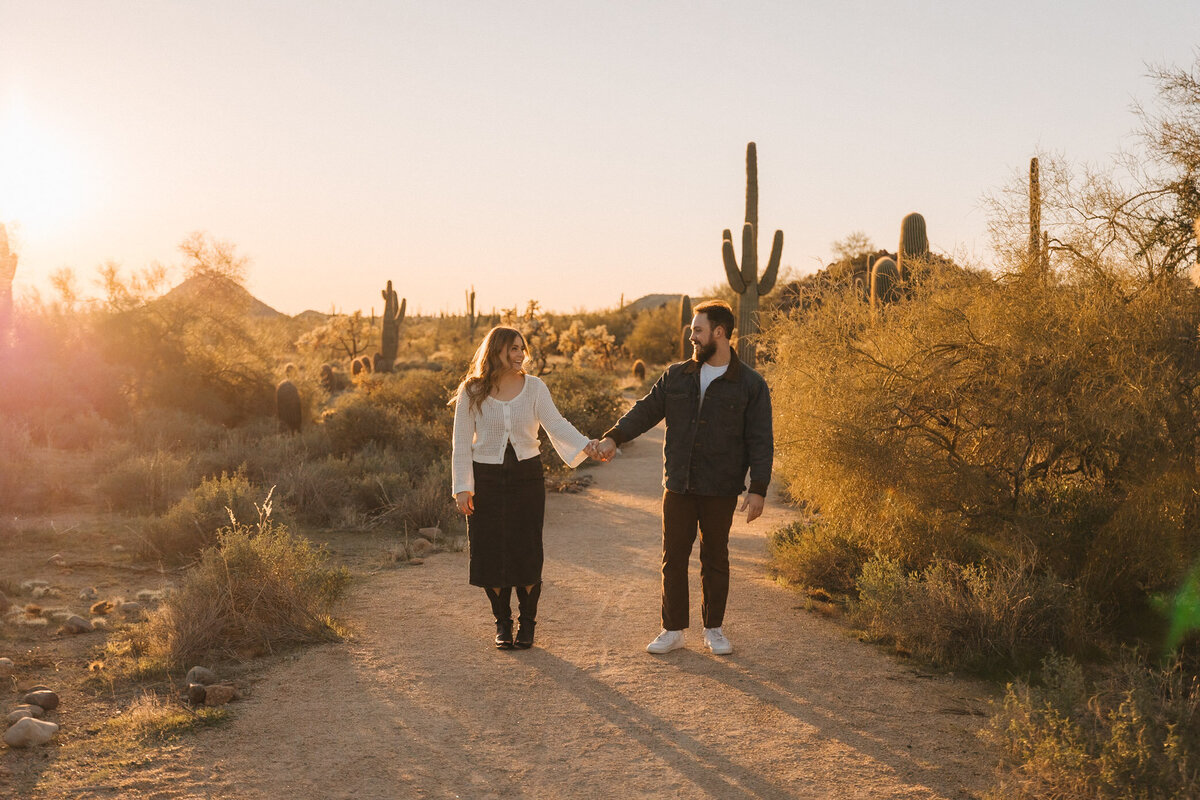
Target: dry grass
[(258, 591)]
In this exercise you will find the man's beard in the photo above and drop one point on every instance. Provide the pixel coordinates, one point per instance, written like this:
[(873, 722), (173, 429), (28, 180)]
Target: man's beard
[(701, 353)]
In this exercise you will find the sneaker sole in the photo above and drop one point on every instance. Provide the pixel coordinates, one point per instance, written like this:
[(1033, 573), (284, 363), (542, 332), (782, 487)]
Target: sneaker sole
[(659, 651)]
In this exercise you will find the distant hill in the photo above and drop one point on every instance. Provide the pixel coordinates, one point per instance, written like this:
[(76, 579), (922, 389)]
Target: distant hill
[(311, 317), (652, 301), (230, 292)]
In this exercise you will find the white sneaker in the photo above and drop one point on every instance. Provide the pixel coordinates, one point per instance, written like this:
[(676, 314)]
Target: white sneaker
[(716, 641), (666, 642)]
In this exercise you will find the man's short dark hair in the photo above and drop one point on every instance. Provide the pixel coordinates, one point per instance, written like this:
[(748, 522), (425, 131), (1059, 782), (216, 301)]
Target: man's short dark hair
[(719, 314)]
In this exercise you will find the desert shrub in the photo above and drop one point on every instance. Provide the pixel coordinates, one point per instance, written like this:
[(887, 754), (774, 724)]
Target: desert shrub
[(144, 483), (173, 429), (1133, 732), (817, 554), (656, 336), (192, 523), (955, 423), (988, 617), (258, 590), (588, 399)]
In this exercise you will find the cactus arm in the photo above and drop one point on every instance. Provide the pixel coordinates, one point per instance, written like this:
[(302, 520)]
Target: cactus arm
[(749, 256), (731, 266), (767, 282)]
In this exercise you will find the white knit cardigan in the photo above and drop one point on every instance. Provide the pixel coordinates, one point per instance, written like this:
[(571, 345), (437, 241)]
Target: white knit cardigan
[(483, 435)]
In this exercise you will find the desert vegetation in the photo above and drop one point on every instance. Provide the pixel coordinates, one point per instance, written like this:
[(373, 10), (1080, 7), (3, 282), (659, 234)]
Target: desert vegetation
[(1000, 464)]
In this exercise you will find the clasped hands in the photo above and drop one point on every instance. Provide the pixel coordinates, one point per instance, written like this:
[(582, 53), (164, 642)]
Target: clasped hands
[(601, 449)]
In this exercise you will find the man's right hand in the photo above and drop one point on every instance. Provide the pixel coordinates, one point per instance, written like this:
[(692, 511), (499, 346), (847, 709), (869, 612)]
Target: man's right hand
[(606, 448), (466, 503)]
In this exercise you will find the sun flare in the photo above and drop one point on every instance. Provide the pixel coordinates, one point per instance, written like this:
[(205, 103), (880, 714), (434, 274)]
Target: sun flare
[(41, 177)]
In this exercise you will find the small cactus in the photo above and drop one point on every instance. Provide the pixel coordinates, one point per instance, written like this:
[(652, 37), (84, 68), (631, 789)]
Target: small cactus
[(287, 405), (639, 370), (884, 279), (393, 315), (744, 279), (914, 246), (356, 367)]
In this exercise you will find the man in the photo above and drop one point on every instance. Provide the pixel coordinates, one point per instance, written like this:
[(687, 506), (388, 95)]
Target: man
[(718, 413)]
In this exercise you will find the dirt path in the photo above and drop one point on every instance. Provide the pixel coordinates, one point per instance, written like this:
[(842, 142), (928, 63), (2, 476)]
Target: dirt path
[(419, 703)]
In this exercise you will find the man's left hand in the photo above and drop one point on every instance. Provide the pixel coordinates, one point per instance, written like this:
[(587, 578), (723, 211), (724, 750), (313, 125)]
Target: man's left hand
[(753, 506)]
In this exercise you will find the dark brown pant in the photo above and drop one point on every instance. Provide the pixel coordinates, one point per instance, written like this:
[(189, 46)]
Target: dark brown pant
[(682, 513)]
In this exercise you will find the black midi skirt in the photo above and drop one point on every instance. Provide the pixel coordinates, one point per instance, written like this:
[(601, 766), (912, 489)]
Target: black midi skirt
[(505, 532)]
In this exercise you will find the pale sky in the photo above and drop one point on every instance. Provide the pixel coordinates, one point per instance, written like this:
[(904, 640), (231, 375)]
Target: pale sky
[(570, 152)]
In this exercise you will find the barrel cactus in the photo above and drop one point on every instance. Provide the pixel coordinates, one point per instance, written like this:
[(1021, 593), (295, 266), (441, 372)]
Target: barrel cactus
[(744, 279), (287, 405), (393, 315), (639, 370)]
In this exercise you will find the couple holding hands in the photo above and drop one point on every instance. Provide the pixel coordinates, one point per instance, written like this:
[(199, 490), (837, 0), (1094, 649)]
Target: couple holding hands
[(718, 414)]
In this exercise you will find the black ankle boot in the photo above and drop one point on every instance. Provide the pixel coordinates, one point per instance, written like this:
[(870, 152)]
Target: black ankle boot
[(502, 610), (527, 602)]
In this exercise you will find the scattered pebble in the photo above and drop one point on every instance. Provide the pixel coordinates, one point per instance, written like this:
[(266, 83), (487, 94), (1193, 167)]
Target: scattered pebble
[(6, 667), (201, 675), (89, 595), (118, 548), (30, 732), (42, 697), (77, 624)]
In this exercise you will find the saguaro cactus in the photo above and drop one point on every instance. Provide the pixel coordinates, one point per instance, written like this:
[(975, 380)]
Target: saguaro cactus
[(884, 277), (8, 270), (914, 245), (745, 279), (1039, 240), (471, 318), (393, 315), (685, 327)]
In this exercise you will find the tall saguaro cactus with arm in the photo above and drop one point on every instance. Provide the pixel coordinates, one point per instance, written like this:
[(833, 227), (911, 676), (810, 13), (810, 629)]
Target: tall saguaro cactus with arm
[(393, 315), (8, 270), (744, 279)]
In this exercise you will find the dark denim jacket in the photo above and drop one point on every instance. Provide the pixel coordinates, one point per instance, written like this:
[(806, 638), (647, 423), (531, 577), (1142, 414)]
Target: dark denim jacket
[(708, 447)]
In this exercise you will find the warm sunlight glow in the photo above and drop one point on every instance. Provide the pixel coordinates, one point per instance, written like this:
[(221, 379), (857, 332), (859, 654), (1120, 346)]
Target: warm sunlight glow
[(41, 180)]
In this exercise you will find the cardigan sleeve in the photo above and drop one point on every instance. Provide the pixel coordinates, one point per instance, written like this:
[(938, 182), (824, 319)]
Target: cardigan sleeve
[(567, 441), (461, 471)]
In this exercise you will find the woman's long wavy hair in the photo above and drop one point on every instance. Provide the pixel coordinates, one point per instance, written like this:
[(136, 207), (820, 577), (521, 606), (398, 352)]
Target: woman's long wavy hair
[(486, 365)]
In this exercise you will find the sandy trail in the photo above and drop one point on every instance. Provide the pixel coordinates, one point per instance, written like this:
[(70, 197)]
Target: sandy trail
[(419, 704)]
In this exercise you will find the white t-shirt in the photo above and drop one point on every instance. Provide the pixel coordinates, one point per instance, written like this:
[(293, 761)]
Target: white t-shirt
[(708, 374)]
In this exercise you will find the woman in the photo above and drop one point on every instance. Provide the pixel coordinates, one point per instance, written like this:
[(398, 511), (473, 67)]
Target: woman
[(497, 476)]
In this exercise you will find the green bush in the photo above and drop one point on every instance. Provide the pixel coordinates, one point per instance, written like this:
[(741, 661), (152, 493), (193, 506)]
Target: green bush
[(192, 523), (258, 590), (817, 554), (1131, 734), (144, 483), (989, 618), (656, 336), (588, 399)]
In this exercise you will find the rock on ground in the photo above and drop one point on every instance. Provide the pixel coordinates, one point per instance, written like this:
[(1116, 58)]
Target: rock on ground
[(30, 732), (219, 695), (6, 667), (42, 697), (77, 624), (202, 675)]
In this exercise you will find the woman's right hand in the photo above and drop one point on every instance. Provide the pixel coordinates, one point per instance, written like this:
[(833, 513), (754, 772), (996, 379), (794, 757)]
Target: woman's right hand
[(466, 503)]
